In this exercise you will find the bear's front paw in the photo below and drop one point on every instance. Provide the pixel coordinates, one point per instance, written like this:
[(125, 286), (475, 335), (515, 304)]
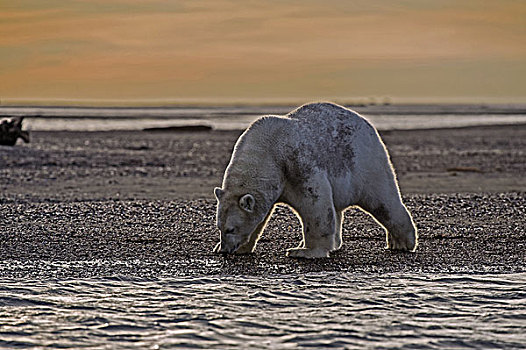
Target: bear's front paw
[(316, 253), (244, 249)]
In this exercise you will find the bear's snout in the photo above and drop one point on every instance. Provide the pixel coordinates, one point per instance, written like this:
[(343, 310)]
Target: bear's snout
[(223, 248)]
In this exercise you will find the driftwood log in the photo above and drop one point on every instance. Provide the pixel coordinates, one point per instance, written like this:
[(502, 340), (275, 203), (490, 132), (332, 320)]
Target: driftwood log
[(11, 130)]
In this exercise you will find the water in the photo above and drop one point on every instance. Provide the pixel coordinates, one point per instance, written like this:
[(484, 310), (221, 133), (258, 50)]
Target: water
[(277, 312), (237, 118)]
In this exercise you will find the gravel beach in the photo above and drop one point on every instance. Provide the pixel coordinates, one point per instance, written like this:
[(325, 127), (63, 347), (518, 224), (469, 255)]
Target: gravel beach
[(140, 204)]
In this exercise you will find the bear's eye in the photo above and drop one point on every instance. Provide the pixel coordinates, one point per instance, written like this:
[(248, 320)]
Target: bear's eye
[(229, 231)]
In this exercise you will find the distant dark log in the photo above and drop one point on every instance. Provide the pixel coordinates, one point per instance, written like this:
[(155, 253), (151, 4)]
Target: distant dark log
[(184, 128), (11, 130)]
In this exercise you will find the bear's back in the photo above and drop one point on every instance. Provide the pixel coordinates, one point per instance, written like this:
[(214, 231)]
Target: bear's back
[(327, 126), (326, 136), (325, 113)]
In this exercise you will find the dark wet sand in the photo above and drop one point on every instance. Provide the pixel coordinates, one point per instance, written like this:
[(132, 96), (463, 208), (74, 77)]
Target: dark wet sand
[(140, 204)]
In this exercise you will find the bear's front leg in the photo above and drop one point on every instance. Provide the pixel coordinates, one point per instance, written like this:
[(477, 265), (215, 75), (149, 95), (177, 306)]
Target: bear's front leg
[(319, 233), (307, 253), (249, 246)]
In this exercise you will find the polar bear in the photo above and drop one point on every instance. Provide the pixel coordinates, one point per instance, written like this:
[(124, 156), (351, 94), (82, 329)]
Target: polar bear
[(319, 159)]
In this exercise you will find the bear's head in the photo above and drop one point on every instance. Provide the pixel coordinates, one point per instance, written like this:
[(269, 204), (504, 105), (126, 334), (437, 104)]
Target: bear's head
[(238, 215)]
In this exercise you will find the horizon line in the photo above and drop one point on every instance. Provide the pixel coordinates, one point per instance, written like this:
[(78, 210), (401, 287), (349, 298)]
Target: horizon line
[(258, 101)]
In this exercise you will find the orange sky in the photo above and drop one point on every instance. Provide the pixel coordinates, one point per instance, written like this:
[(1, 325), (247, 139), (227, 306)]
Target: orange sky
[(256, 50)]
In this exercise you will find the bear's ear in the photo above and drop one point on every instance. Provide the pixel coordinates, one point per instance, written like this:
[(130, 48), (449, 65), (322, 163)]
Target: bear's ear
[(247, 202), (218, 193)]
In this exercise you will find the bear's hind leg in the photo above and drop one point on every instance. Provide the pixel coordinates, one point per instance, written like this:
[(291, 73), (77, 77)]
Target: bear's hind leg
[(392, 214)]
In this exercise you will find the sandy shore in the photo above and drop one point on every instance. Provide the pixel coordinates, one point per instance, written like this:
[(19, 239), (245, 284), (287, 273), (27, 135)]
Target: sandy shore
[(140, 204)]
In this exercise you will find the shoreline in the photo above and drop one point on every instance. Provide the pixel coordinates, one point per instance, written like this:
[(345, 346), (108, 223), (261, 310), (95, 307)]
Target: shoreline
[(204, 128)]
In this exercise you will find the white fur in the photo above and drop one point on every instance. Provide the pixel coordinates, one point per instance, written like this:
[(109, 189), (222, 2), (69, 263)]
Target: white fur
[(319, 159)]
